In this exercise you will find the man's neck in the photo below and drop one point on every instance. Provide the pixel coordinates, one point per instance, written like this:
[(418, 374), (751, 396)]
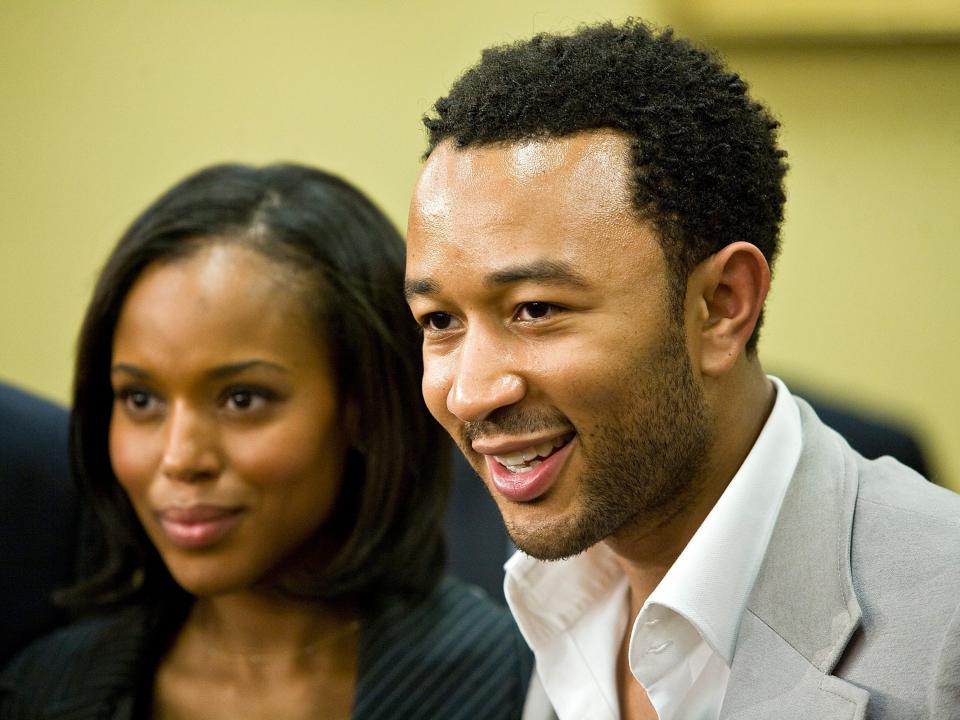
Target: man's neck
[(649, 545)]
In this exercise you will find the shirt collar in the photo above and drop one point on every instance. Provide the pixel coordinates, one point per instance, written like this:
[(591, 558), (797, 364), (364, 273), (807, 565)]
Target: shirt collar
[(550, 597), (710, 582)]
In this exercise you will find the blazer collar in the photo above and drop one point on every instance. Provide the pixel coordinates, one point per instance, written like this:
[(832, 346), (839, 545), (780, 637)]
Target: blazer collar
[(121, 658), (803, 610)]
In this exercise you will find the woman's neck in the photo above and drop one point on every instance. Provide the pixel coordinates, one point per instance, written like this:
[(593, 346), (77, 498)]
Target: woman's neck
[(255, 631), (252, 655)]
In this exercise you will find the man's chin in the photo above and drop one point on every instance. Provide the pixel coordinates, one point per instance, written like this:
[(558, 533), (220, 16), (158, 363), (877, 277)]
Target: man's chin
[(551, 541)]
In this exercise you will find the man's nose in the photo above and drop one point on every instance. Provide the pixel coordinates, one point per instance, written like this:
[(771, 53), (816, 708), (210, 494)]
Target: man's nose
[(487, 376), (190, 451)]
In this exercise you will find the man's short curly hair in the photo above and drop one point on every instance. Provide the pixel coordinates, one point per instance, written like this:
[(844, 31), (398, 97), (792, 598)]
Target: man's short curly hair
[(706, 167)]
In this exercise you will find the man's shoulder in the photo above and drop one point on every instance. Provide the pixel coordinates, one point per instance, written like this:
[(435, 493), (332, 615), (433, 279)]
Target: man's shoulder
[(886, 485), (905, 547), (905, 527), (861, 581), (890, 484)]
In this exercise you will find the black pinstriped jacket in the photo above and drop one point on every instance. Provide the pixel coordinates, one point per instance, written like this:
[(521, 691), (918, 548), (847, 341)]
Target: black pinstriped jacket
[(455, 656)]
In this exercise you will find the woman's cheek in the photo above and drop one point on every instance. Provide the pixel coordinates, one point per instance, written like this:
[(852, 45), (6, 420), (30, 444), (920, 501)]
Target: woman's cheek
[(130, 456)]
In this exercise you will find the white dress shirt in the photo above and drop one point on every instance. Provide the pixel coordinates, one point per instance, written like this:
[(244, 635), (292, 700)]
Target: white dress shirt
[(574, 612)]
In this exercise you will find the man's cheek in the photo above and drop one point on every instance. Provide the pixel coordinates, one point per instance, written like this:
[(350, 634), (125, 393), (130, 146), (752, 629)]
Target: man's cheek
[(435, 388)]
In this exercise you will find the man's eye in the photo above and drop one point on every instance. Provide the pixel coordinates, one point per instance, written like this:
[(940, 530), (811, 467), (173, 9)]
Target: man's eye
[(438, 321), (535, 311)]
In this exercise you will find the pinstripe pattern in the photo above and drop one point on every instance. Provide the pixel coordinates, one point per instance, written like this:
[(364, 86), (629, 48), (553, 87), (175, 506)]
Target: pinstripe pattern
[(75, 673), (455, 656)]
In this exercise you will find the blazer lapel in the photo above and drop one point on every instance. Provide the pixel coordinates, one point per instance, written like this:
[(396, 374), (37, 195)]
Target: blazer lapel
[(803, 610), (123, 654)]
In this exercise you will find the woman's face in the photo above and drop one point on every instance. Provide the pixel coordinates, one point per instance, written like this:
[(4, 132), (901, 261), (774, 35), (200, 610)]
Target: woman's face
[(225, 432)]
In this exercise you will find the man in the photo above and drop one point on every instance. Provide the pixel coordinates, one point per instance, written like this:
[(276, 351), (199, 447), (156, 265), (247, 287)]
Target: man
[(589, 251)]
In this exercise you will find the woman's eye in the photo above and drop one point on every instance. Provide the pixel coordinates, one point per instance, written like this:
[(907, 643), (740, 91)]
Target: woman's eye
[(138, 401), (535, 310), (240, 399), (244, 399)]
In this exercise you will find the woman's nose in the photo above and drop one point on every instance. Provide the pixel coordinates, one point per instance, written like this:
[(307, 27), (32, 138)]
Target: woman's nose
[(190, 452)]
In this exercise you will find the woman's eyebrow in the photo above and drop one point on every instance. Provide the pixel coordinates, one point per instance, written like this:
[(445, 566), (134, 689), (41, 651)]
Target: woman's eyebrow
[(219, 372), (229, 369), (128, 369)]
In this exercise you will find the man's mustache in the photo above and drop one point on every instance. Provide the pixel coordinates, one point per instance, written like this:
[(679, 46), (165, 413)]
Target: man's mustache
[(505, 421)]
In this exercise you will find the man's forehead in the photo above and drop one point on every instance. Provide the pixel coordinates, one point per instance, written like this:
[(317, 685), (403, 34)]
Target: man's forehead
[(587, 171), (526, 162)]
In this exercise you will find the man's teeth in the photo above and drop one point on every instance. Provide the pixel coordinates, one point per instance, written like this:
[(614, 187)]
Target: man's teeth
[(520, 469), (517, 462)]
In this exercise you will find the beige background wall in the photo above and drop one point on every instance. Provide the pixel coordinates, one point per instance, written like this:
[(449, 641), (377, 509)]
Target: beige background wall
[(104, 104)]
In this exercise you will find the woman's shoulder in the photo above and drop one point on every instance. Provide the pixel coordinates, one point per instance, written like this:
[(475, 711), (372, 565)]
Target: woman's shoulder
[(455, 654), (452, 606), (80, 663)]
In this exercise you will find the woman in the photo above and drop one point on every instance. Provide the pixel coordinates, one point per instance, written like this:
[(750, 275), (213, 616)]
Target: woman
[(247, 426)]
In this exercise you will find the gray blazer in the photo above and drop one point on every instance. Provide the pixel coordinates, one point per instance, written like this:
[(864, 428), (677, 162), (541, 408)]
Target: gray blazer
[(856, 611)]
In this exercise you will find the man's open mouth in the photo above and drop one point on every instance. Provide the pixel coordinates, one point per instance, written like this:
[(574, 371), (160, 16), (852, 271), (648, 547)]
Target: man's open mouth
[(528, 458)]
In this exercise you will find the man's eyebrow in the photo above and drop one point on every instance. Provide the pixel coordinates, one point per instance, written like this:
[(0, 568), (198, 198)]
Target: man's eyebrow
[(217, 373), (552, 272), (420, 286)]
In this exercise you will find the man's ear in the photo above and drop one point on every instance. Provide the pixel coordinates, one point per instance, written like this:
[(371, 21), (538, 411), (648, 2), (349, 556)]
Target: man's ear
[(725, 294)]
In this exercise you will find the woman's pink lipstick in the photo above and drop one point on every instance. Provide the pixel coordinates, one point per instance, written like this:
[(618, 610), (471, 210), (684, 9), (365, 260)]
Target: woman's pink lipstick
[(198, 526)]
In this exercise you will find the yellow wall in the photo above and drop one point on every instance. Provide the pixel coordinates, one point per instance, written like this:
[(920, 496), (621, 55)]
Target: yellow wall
[(107, 103), (865, 302)]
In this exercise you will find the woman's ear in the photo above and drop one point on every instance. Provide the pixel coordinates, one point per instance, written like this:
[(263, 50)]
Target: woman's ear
[(725, 294)]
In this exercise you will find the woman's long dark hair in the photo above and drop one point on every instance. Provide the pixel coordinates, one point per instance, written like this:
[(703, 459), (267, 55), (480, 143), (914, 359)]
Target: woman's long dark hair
[(389, 512)]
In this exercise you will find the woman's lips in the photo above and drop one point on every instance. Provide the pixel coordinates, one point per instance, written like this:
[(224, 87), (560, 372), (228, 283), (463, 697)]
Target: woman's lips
[(529, 485), (199, 526)]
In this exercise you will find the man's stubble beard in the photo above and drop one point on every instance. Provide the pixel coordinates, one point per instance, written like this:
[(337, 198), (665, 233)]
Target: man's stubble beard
[(640, 463)]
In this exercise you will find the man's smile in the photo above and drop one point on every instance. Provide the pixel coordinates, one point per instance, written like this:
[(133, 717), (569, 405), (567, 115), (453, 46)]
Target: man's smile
[(522, 471), (524, 460)]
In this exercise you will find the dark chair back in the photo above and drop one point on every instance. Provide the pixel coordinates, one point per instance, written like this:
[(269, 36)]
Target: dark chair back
[(38, 516)]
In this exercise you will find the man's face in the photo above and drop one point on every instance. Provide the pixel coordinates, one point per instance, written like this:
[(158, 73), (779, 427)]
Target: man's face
[(550, 352)]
